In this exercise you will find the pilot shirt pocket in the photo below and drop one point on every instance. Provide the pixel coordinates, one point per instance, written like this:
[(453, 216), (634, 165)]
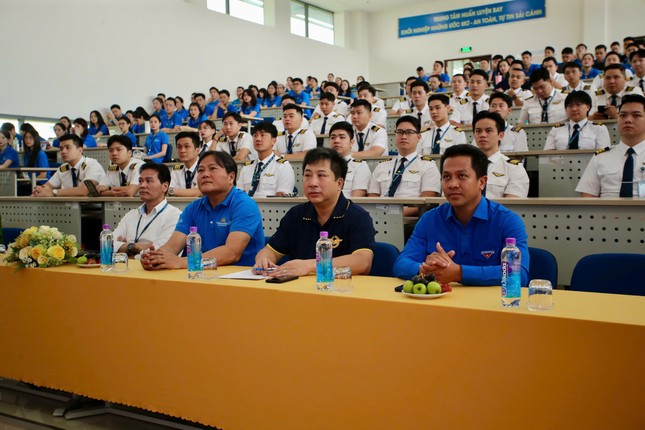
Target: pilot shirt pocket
[(610, 170), (269, 179), (384, 180), (411, 176), (495, 185), (587, 142)]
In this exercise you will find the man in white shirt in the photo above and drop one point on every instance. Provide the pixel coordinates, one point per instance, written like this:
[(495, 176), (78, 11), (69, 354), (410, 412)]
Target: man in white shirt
[(270, 175), (419, 109), (442, 134), (458, 85), (557, 79), (370, 139), (617, 172), (279, 124), (322, 121), (122, 177), (516, 79), (357, 180), (573, 75), (235, 142), (340, 107), (404, 102), (183, 177), (476, 100), (153, 222), (514, 139), (67, 181), (607, 99), (637, 60), (296, 140), (379, 115), (506, 177), (547, 105)]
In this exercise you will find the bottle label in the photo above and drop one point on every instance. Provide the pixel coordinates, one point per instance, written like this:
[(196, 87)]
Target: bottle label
[(107, 252)]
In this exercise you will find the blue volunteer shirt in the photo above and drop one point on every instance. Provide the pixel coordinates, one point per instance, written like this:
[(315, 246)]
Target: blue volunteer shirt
[(154, 143), (41, 161), (194, 123), (275, 101), (209, 109), (238, 212), (592, 74), (93, 130), (221, 111), (10, 154), (477, 245), (89, 141), (171, 121), (444, 77), (183, 114), (132, 138)]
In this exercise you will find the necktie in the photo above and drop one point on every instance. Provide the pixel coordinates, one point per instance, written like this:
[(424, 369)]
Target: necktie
[(256, 179), (290, 144), (614, 100), (231, 148), (322, 129), (435, 143), (74, 177), (124, 180), (397, 178), (641, 84), (474, 110), (545, 110), (573, 141), (189, 179), (419, 115), (361, 142), (627, 185)]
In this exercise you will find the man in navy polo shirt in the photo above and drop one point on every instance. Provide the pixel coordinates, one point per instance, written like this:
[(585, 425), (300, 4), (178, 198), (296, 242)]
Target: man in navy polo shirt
[(350, 226), (227, 219)]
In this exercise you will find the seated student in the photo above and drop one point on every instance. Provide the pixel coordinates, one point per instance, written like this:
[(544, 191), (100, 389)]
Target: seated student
[(587, 67), (67, 181), (200, 99), (637, 60), (34, 156), (516, 81), (611, 58), (462, 240), (195, 117), (573, 76), (618, 170), (250, 105), (234, 141), (80, 128), (514, 137), (279, 124), (9, 158), (437, 69), (59, 130), (157, 107), (421, 74), (172, 121), (122, 176), (183, 177), (350, 226), (207, 130), (503, 69), (476, 100), (212, 103), (419, 109), (408, 174), (578, 132), (115, 114), (357, 180), (124, 126), (506, 177), (11, 129), (270, 175), (312, 87), (141, 123), (238, 101), (435, 85), (322, 121), (271, 99), (567, 57), (442, 134), (340, 107), (152, 223), (228, 220), (379, 115), (607, 99), (295, 140), (557, 79), (527, 64), (404, 102), (97, 126), (370, 139), (225, 106), (547, 105), (157, 143), (459, 92), (180, 109)]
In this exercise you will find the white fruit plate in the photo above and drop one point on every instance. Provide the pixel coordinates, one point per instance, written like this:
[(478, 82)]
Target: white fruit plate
[(424, 296)]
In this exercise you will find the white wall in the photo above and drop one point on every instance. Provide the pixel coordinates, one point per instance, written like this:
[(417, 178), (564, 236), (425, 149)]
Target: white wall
[(67, 57)]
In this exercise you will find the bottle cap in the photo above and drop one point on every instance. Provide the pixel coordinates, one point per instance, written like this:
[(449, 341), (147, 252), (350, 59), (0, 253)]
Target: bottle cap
[(194, 230), (324, 234), (106, 226), (510, 241)]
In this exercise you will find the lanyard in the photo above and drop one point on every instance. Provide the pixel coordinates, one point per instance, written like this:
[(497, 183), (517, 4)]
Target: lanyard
[(441, 135), (260, 171), (137, 236), (396, 174), (545, 106), (577, 133)]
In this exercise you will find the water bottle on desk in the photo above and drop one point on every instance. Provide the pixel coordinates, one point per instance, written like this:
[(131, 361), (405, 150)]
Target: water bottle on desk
[(324, 268), (511, 274), (107, 249), (194, 251)]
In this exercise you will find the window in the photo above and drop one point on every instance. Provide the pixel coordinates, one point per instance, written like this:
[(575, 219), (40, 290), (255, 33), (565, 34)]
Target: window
[(249, 10), (312, 22)]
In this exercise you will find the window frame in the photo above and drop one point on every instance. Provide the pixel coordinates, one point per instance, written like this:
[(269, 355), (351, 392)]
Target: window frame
[(307, 23)]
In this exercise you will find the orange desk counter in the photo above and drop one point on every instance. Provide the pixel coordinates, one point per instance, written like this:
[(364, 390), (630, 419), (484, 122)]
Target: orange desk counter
[(250, 355)]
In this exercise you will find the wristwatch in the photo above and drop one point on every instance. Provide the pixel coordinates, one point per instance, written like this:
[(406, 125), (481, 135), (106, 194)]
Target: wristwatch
[(130, 249)]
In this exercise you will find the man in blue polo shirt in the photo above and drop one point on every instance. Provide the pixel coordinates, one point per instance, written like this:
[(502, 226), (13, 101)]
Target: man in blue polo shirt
[(227, 219), (462, 240), (350, 226)]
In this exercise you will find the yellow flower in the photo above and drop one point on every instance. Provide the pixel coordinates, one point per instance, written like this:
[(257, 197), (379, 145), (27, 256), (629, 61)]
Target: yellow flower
[(37, 251), (31, 230), (70, 238), (22, 241), (42, 260), (56, 252)]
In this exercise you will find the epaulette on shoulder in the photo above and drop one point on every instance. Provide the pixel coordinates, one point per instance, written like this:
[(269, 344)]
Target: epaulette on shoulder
[(222, 139), (376, 128), (463, 101), (336, 115), (113, 168), (629, 88), (64, 167), (600, 91), (304, 130), (177, 167), (358, 161), (565, 91), (601, 75), (248, 163), (560, 124), (586, 87), (316, 116), (377, 109), (402, 99), (133, 166), (516, 129), (281, 133), (408, 111), (459, 129), (241, 135), (281, 160), (513, 162), (600, 151), (385, 161), (426, 158), (596, 123), (83, 165), (529, 98)]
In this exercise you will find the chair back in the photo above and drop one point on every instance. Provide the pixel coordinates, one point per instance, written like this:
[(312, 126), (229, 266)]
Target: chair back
[(385, 254), (9, 234), (543, 265), (610, 273)]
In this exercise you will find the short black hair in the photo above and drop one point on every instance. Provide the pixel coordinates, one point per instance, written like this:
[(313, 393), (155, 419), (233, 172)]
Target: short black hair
[(361, 102), (236, 116), (73, 137), (297, 80), (163, 172), (500, 124), (410, 119), (503, 96), (632, 98), (193, 136), (213, 88), (581, 44), (609, 54), (540, 74), (328, 96), (419, 68), (567, 50), (498, 57), (332, 84), (441, 97), (479, 72), (550, 48), (570, 65), (369, 88), (121, 140), (225, 92), (439, 62), (343, 125), (640, 53), (527, 53), (578, 97), (601, 46), (615, 67), (124, 118), (420, 83), (478, 159), (115, 106), (209, 123), (288, 97), (550, 59), (200, 95), (294, 106), (222, 159), (337, 163), (266, 127)]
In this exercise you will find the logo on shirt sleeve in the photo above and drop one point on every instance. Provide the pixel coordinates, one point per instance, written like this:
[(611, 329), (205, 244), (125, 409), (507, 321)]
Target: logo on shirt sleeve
[(488, 254), (223, 223)]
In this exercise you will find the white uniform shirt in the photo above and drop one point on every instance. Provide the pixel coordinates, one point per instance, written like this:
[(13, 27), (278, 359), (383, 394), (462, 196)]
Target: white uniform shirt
[(463, 111), (420, 175), (456, 98), (604, 173), (242, 141), (424, 116), (340, 107), (514, 140), (379, 103), (280, 125), (379, 115), (112, 177), (318, 119), (602, 98), (532, 109), (86, 168), (207, 146), (599, 81), (591, 135), (304, 139), (636, 82), (178, 176), (559, 78), (358, 176), (449, 135), (403, 103), (580, 87), (139, 226), (506, 177), (373, 135), (276, 176), (520, 94)]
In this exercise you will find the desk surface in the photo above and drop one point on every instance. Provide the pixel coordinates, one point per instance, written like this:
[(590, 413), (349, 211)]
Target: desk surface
[(246, 355)]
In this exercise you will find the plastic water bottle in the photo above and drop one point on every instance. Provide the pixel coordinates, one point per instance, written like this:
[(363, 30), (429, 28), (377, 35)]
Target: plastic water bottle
[(324, 268), (107, 249), (194, 251), (511, 274)]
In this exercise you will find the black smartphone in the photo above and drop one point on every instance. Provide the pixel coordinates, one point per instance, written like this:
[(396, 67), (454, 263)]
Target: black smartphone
[(281, 279), (91, 188), (602, 110)]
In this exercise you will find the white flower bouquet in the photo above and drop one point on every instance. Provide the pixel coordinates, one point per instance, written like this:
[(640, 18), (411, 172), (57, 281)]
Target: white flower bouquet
[(42, 246)]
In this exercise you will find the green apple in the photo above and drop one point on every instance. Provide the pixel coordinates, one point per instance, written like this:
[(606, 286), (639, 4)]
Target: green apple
[(419, 288), (81, 260), (408, 287), (434, 287)]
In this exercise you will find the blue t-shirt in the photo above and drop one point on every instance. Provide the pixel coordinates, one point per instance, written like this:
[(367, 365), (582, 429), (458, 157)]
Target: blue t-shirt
[(304, 99), (154, 143), (210, 108), (138, 129), (132, 137), (246, 110), (89, 141), (41, 161), (477, 245), (444, 77), (309, 90), (171, 121), (592, 74), (271, 102), (161, 114), (183, 114), (532, 68), (221, 111), (56, 143), (194, 123), (238, 212), (93, 130), (10, 154), (237, 103)]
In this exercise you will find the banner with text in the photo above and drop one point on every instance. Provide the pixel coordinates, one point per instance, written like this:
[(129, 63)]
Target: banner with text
[(472, 17)]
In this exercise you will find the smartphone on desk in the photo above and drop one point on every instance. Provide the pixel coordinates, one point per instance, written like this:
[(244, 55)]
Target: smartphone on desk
[(281, 279)]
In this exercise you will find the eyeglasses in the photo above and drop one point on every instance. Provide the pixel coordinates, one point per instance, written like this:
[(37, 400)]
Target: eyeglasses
[(405, 132)]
